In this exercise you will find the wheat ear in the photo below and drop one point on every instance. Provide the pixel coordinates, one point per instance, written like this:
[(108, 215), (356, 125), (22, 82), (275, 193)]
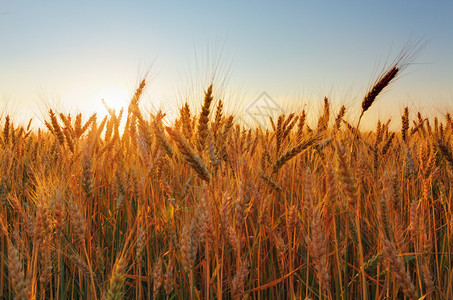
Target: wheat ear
[(16, 272), (399, 270), (189, 155), (203, 120)]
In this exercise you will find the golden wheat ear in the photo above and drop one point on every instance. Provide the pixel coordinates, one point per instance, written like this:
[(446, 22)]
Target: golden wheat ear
[(17, 276), (203, 121), (398, 269), (407, 55), (189, 155)]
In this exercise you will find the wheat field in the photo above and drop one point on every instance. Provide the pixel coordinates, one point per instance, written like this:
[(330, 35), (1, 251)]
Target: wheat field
[(206, 208)]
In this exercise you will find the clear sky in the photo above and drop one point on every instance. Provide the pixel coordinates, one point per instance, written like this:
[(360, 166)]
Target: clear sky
[(76, 52)]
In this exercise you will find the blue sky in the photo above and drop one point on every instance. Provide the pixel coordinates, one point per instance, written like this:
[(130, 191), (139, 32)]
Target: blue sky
[(76, 52)]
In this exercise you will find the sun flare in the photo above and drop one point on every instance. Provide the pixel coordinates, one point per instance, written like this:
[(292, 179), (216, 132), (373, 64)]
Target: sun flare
[(114, 97)]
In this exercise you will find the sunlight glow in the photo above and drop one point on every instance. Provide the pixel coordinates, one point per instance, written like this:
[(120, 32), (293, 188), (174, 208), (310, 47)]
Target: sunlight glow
[(115, 98)]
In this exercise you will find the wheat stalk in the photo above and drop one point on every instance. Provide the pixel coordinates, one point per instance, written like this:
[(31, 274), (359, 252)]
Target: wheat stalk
[(189, 155)]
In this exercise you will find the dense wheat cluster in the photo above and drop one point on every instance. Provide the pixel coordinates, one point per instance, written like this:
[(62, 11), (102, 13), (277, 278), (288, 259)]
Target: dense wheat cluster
[(207, 208)]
